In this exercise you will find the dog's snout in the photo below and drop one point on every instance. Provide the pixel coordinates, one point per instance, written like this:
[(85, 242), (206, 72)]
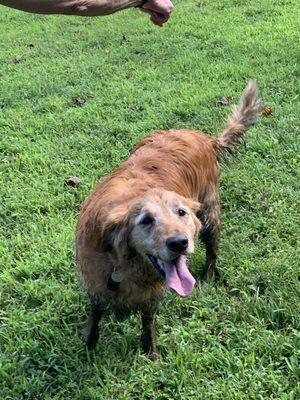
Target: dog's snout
[(177, 243)]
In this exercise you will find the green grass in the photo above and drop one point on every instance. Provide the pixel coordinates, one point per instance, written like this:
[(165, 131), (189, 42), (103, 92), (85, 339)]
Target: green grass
[(239, 341)]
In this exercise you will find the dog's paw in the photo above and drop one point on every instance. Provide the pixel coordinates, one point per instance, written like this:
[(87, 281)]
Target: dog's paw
[(91, 338), (154, 355), (210, 275)]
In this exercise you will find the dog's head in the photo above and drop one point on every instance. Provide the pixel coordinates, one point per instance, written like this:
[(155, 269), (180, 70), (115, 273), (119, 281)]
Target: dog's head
[(161, 227)]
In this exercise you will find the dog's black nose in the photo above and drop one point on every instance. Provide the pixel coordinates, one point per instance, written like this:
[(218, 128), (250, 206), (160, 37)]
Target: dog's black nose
[(177, 243)]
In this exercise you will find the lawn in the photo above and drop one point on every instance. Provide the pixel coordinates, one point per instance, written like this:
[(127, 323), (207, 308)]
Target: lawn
[(238, 340)]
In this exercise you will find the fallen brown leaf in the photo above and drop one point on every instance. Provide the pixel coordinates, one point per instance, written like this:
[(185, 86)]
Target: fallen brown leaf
[(267, 111), (9, 158), (17, 59), (72, 181), (80, 101), (267, 193), (224, 101), (233, 230), (134, 108), (106, 52)]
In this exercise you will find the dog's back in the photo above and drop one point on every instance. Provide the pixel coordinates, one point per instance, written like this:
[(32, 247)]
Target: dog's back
[(183, 161), (186, 161)]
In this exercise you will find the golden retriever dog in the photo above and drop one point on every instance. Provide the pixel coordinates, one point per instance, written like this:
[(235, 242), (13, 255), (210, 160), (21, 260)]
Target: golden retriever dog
[(137, 229)]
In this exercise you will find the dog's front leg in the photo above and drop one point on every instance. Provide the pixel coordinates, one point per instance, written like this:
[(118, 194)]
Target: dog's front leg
[(148, 337), (210, 235), (91, 333)]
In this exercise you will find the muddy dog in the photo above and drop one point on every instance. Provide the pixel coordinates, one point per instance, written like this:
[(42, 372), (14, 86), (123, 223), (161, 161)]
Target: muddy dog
[(137, 228)]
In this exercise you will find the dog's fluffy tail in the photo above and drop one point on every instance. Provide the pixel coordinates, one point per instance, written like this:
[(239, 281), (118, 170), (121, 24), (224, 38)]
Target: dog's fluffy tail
[(242, 117)]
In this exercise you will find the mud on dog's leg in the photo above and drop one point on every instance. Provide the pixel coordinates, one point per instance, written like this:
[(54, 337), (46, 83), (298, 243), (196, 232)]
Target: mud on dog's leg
[(91, 333), (148, 337), (210, 235)]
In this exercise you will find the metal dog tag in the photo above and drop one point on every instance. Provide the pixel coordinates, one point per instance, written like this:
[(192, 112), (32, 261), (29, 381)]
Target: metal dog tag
[(116, 277), (114, 281)]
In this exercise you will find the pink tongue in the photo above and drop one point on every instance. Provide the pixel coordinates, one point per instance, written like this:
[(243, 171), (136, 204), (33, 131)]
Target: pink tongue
[(178, 276)]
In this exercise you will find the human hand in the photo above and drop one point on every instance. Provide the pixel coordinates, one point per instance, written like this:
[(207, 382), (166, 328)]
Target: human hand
[(159, 10)]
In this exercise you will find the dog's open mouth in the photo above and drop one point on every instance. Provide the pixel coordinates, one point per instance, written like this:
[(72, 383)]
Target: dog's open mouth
[(175, 273)]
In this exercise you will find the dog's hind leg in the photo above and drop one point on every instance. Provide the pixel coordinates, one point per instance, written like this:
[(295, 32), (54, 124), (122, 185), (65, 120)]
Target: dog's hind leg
[(91, 333), (148, 337), (210, 235)]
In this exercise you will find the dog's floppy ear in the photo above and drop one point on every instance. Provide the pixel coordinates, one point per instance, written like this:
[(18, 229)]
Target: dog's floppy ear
[(195, 207), (115, 233)]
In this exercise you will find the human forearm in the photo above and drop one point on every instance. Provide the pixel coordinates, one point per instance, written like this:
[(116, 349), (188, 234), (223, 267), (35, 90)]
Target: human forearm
[(74, 7)]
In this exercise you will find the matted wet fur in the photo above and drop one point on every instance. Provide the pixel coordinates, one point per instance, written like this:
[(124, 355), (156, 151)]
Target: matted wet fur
[(142, 219)]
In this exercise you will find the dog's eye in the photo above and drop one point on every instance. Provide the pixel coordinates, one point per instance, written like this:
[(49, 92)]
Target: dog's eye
[(181, 212), (147, 220)]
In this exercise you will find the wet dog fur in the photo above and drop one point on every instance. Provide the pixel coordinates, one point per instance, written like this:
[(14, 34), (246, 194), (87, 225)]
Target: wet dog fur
[(172, 179)]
